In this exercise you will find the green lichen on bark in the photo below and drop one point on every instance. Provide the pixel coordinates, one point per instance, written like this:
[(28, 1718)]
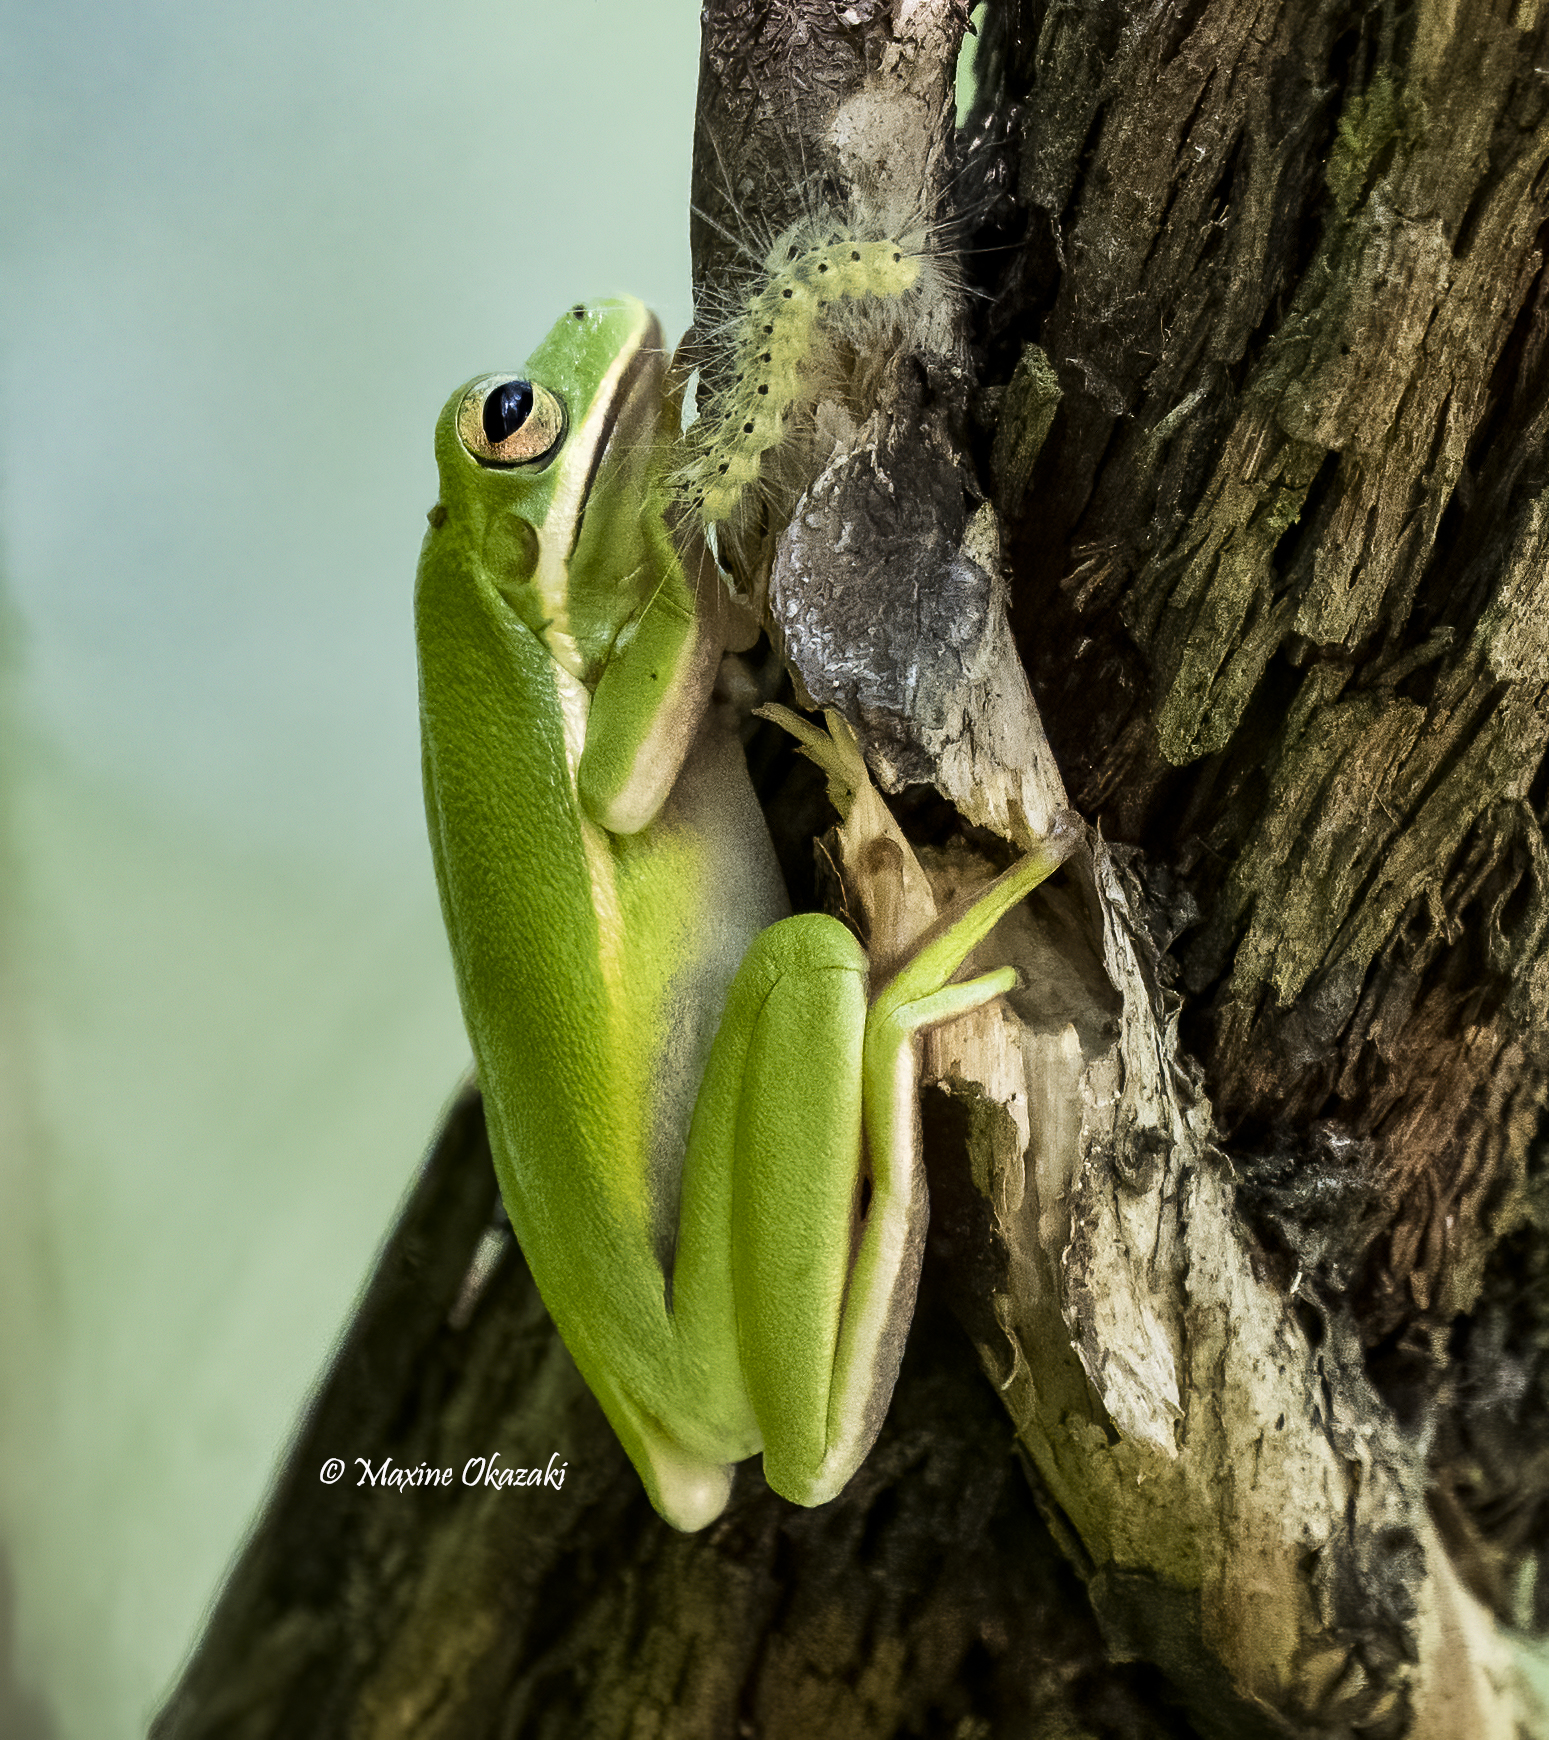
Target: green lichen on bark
[(1368, 126), (1024, 416)]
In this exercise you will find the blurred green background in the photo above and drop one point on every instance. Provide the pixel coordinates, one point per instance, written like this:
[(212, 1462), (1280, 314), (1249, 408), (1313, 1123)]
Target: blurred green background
[(247, 252)]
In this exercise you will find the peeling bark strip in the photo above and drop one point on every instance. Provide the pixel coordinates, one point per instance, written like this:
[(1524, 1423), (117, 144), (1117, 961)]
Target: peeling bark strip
[(1244, 1196)]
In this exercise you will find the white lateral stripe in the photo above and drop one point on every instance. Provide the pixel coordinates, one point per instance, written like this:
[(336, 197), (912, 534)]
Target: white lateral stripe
[(575, 467), (574, 700)]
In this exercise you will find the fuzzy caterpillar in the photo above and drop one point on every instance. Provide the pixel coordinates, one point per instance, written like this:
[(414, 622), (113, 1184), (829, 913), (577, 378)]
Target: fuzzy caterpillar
[(821, 282)]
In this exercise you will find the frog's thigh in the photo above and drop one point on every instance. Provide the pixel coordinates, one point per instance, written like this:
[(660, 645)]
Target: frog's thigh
[(797, 1183)]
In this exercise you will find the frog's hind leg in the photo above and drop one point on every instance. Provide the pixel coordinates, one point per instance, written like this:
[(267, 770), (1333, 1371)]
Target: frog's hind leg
[(772, 1185), (891, 1237)]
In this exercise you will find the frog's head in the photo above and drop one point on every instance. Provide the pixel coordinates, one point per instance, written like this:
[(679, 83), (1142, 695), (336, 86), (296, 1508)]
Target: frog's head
[(552, 476)]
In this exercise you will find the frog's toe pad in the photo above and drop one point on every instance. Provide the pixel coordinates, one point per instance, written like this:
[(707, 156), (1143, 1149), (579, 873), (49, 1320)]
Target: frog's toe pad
[(688, 1493)]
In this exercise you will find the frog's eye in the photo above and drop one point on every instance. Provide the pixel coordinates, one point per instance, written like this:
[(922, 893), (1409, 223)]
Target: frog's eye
[(506, 421)]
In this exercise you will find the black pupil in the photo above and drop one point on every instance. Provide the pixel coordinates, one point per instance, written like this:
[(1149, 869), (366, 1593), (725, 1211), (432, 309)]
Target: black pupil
[(505, 410)]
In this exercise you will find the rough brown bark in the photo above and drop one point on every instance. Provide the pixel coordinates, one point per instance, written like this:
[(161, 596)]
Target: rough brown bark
[(1244, 1211), (1292, 642)]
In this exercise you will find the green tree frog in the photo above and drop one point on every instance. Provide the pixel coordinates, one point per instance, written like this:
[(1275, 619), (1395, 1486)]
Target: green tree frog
[(703, 1113)]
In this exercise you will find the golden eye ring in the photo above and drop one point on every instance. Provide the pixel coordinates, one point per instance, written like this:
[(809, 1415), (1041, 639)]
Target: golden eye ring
[(505, 421)]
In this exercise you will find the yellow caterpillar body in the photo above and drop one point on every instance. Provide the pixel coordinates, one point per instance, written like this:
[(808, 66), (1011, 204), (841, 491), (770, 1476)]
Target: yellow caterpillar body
[(822, 282)]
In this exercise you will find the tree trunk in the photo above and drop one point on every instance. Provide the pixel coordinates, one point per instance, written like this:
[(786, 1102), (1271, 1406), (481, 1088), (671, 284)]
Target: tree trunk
[(1241, 405)]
